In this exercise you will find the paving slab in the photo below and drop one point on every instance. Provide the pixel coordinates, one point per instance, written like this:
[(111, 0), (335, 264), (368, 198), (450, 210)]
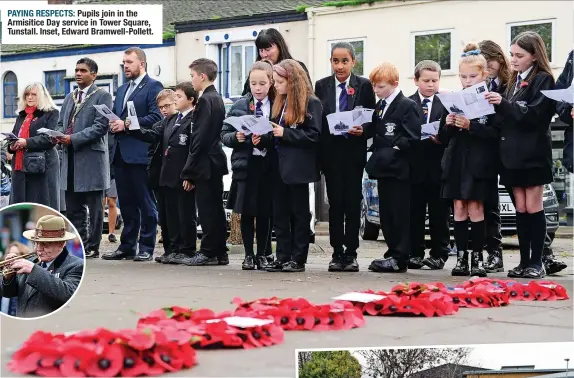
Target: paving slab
[(110, 291)]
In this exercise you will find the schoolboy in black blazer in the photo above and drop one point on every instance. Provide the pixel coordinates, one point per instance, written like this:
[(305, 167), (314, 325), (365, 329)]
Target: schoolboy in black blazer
[(425, 159), (343, 157), (395, 124), (207, 164), (172, 135)]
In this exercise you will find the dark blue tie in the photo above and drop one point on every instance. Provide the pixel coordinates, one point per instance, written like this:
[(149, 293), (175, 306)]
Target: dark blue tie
[(493, 85), (425, 106), (382, 108), (343, 98), (179, 117), (258, 110), (43, 265)]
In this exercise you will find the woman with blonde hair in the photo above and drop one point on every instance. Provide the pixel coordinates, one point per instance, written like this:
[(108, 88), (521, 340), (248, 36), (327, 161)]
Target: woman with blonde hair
[(35, 165)]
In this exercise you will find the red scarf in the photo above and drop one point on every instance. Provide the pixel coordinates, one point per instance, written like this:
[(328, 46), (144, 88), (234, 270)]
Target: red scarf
[(24, 134)]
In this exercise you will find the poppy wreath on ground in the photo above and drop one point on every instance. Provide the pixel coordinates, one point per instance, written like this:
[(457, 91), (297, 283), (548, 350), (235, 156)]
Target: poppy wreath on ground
[(517, 291), (298, 314), (402, 300), (102, 353), (216, 334)]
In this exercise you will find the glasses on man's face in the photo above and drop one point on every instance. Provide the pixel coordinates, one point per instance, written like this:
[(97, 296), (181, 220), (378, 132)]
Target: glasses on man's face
[(43, 245), (167, 106)]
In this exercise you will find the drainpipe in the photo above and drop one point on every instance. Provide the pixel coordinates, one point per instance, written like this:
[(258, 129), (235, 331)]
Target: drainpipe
[(227, 69), (219, 75), (311, 44)]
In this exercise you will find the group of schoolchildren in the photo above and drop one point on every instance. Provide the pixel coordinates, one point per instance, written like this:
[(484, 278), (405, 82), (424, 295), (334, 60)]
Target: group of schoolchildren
[(458, 168)]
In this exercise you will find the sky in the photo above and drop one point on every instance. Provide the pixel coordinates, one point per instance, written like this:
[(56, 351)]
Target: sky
[(494, 356)]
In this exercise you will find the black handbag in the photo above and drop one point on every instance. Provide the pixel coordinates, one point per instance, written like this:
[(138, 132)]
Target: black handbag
[(34, 162)]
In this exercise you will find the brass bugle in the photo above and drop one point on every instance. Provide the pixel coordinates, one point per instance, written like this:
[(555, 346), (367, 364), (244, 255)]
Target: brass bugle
[(5, 265)]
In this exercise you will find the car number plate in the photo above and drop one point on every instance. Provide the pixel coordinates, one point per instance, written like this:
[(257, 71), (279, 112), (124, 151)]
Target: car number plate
[(507, 208)]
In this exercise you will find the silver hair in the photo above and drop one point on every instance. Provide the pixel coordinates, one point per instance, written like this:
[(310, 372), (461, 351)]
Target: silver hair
[(45, 102)]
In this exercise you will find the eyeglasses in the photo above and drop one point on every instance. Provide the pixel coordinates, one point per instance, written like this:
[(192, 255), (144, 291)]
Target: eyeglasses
[(45, 244), (167, 106)]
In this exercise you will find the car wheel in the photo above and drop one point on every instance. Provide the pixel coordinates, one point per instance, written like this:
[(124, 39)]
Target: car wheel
[(368, 230)]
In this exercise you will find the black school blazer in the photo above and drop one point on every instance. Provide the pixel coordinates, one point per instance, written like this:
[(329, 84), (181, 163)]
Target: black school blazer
[(206, 157), (297, 151), (242, 152), (525, 140), (477, 146), (332, 147), (398, 128)]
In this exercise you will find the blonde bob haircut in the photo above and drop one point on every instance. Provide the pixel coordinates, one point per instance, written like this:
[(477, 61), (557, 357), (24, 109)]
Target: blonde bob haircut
[(45, 102)]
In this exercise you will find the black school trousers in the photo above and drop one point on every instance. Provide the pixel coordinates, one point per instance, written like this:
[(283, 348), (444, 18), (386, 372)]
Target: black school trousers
[(395, 215)]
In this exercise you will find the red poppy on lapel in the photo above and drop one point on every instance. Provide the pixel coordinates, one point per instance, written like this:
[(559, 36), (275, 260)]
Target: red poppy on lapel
[(351, 91), (523, 84), (251, 107)]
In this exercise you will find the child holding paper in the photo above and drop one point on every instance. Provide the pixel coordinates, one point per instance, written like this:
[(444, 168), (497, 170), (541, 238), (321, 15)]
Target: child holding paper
[(526, 146), (251, 189), (343, 157), (469, 167), (395, 125), (296, 116), (176, 200)]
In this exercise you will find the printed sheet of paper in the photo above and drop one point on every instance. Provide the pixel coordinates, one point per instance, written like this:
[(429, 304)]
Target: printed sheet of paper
[(469, 102), (362, 115), (106, 112), (429, 129), (561, 95), (359, 297), (340, 123), (242, 322), (242, 124), (132, 116), (50, 132), (10, 136), (262, 126)]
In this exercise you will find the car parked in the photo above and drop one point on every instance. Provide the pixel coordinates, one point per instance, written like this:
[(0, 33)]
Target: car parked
[(370, 221)]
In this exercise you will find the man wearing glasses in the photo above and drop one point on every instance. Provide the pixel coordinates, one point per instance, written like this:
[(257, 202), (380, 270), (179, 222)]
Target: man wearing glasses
[(45, 285)]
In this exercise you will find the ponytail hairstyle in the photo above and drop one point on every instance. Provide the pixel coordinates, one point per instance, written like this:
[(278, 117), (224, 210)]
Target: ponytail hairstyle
[(472, 56), (298, 92), (533, 43), (266, 66), (492, 51)]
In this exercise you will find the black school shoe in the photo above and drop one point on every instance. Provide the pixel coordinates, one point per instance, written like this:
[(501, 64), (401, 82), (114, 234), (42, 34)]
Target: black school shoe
[(534, 272), (415, 263), (92, 254), (552, 265), (199, 259), (248, 263), (293, 267), (351, 264), (276, 266), (389, 265), (337, 264), (163, 258), (223, 259), (261, 262), (434, 263), (494, 262), (517, 272)]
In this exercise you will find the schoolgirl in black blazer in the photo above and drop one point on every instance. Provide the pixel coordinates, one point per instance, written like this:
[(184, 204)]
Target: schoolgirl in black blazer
[(498, 75), (172, 134), (469, 167), (395, 124), (293, 144), (251, 189), (343, 157), (526, 146)]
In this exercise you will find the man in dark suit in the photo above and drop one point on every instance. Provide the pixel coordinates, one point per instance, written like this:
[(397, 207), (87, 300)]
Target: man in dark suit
[(85, 145), (130, 159), (395, 125), (426, 156), (45, 287), (207, 164)]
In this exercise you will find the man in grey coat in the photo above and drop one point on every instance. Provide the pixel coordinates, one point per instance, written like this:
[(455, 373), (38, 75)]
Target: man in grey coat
[(49, 283), (85, 170)]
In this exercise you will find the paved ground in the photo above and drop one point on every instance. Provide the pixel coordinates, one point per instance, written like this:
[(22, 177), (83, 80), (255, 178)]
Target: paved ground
[(111, 289)]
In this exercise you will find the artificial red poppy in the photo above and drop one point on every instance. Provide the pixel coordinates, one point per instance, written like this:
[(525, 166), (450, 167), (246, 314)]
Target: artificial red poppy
[(168, 357), (350, 91), (523, 84), (139, 339), (558, 290), (72, 367), (151, 367), (133, 365), (251, 107), (107, 364)]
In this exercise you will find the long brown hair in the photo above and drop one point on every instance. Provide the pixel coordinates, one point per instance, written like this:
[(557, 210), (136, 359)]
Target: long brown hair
[(22, 249), (533, 43), (298, 92), (266, 66), (492, 51)]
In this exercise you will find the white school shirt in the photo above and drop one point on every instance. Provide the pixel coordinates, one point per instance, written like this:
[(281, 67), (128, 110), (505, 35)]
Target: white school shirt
[(338, 91), (523, 77), (429, 105), (266, 110), (390, 99)]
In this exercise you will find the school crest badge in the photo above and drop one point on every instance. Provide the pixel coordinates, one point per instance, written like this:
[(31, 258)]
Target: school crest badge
[(390, 129), (182, 139), (482, 120), (523, 105)]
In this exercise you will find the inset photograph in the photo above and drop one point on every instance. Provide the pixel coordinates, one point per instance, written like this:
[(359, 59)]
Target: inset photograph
[(526, 360), (42, 261)]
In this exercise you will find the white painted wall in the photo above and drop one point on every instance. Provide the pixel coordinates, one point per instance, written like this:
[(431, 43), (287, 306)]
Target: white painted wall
[(387, 29), (32, 70)]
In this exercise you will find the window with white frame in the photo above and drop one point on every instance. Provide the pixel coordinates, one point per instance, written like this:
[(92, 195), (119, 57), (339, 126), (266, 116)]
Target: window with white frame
[(433, 45), (237, 59), (55, 82), (359, 45), (545, 28)]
